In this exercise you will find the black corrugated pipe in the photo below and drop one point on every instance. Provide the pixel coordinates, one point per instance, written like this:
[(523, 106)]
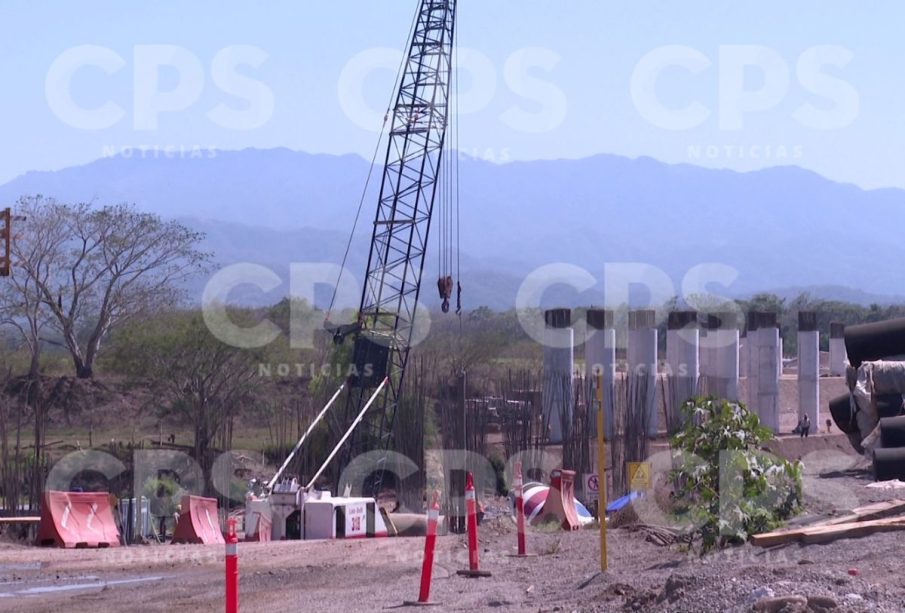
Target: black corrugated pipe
[(892, 432), (889, 464), (868, 342), (840, 409), (889, 405)]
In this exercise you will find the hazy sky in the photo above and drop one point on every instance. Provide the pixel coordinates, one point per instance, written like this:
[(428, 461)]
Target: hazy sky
[(741, 85)]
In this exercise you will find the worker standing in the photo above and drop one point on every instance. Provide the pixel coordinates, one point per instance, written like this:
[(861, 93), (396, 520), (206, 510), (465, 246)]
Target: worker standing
[(804, 426)]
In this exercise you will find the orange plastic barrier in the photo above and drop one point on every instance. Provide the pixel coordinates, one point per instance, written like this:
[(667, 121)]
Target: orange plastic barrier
[(560, 502), (198, 523), (77, 519)]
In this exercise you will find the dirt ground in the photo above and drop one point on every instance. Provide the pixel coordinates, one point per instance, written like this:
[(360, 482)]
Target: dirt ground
[(367, 575)]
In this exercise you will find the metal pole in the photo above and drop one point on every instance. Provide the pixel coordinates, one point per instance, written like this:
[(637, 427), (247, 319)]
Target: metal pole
[(601, 473), (298, 445), (348, 432)]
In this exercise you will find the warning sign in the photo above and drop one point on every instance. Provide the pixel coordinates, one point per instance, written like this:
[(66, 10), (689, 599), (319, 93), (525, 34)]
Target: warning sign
[(639, 476), (356, 520), (591, 484)]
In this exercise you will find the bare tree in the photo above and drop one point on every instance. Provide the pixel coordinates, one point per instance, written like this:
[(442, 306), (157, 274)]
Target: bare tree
[(21, 298), (95, 267)]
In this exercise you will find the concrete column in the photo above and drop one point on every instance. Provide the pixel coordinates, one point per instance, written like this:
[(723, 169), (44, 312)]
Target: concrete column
[(837, 350), (753, 363), (726, 367), (559, 364), (768, 371), (743, 354), (809, 368), (600, 355), (779, 354), (708, 351), (642, 361), (683, 363)]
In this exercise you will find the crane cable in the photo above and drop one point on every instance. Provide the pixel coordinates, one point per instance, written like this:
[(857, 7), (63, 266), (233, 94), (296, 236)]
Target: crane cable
[(458, 154), (448, 233), (400, 73)]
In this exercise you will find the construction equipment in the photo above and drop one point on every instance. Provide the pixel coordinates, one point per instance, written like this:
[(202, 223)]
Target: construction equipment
[(413, 169), (303, 438), (411, 182), (286, 510)]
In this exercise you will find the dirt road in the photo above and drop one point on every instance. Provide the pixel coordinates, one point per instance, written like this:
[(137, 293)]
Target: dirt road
[(370, 575)]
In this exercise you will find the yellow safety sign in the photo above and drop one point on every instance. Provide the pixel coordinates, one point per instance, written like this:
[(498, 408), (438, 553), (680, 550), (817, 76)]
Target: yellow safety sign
[(639, 476)]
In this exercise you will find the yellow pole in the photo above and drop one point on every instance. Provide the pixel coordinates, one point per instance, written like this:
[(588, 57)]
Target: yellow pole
[(601, 473)]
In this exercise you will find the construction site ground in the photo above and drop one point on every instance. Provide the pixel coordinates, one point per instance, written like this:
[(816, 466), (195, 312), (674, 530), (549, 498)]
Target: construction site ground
[(861, 574)]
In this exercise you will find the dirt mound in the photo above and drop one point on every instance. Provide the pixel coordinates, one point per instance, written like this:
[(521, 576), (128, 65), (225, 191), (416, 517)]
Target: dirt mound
[(69, 400), (73, 396)]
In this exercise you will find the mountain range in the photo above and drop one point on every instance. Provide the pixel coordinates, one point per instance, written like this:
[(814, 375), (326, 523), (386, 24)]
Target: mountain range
[(782, 227)]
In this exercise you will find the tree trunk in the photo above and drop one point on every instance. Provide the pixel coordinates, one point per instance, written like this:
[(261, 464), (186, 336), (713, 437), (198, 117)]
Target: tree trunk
[(83, 370), (34, 369), (83, 364), (202, 452), (87, 371)]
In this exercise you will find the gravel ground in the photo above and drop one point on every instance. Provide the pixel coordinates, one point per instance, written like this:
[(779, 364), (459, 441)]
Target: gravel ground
[(373, 575), (367, 575)]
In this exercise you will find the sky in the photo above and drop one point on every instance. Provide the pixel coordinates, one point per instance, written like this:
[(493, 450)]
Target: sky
[(739, 85)]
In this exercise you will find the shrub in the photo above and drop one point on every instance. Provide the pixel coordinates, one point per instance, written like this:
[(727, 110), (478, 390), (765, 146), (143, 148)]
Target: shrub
[(729, 488), (164, 494)]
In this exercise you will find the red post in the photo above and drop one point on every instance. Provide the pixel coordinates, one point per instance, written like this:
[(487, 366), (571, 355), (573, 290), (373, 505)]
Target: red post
[(471, 511), (433, 516), (520, 509), (232, 567)]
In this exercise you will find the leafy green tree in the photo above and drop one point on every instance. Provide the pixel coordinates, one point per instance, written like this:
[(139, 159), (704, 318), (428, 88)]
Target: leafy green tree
[(727, 486), (195, 377)]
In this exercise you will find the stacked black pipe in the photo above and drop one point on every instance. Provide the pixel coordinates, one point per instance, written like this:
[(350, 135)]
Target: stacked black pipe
[(876, 341), (866, 343)]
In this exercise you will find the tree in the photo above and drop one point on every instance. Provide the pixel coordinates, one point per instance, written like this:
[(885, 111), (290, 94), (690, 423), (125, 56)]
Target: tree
[(21, 297), (195, 376), (94, 267), (727, 486)]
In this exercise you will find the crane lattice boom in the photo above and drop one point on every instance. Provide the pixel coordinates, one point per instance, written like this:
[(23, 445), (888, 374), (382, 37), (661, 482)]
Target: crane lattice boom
[(411, 173)]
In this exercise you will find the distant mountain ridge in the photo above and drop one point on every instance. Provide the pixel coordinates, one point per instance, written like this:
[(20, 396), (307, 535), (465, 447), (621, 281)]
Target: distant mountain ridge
[(782, 227)]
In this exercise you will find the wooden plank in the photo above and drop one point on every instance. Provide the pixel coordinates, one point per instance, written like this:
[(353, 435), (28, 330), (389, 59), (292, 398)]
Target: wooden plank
[(877, 510), (19, 520), (780, 537), (895, 503), (853, 530)]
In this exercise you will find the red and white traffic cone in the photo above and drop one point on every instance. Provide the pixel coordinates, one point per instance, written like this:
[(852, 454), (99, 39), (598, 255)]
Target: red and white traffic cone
[(471, 511), (430, 543), (232, 567), (519, 487)]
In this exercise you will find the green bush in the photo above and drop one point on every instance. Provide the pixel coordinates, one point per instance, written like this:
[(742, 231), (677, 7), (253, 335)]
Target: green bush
[(726, 485), (164, 494)]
